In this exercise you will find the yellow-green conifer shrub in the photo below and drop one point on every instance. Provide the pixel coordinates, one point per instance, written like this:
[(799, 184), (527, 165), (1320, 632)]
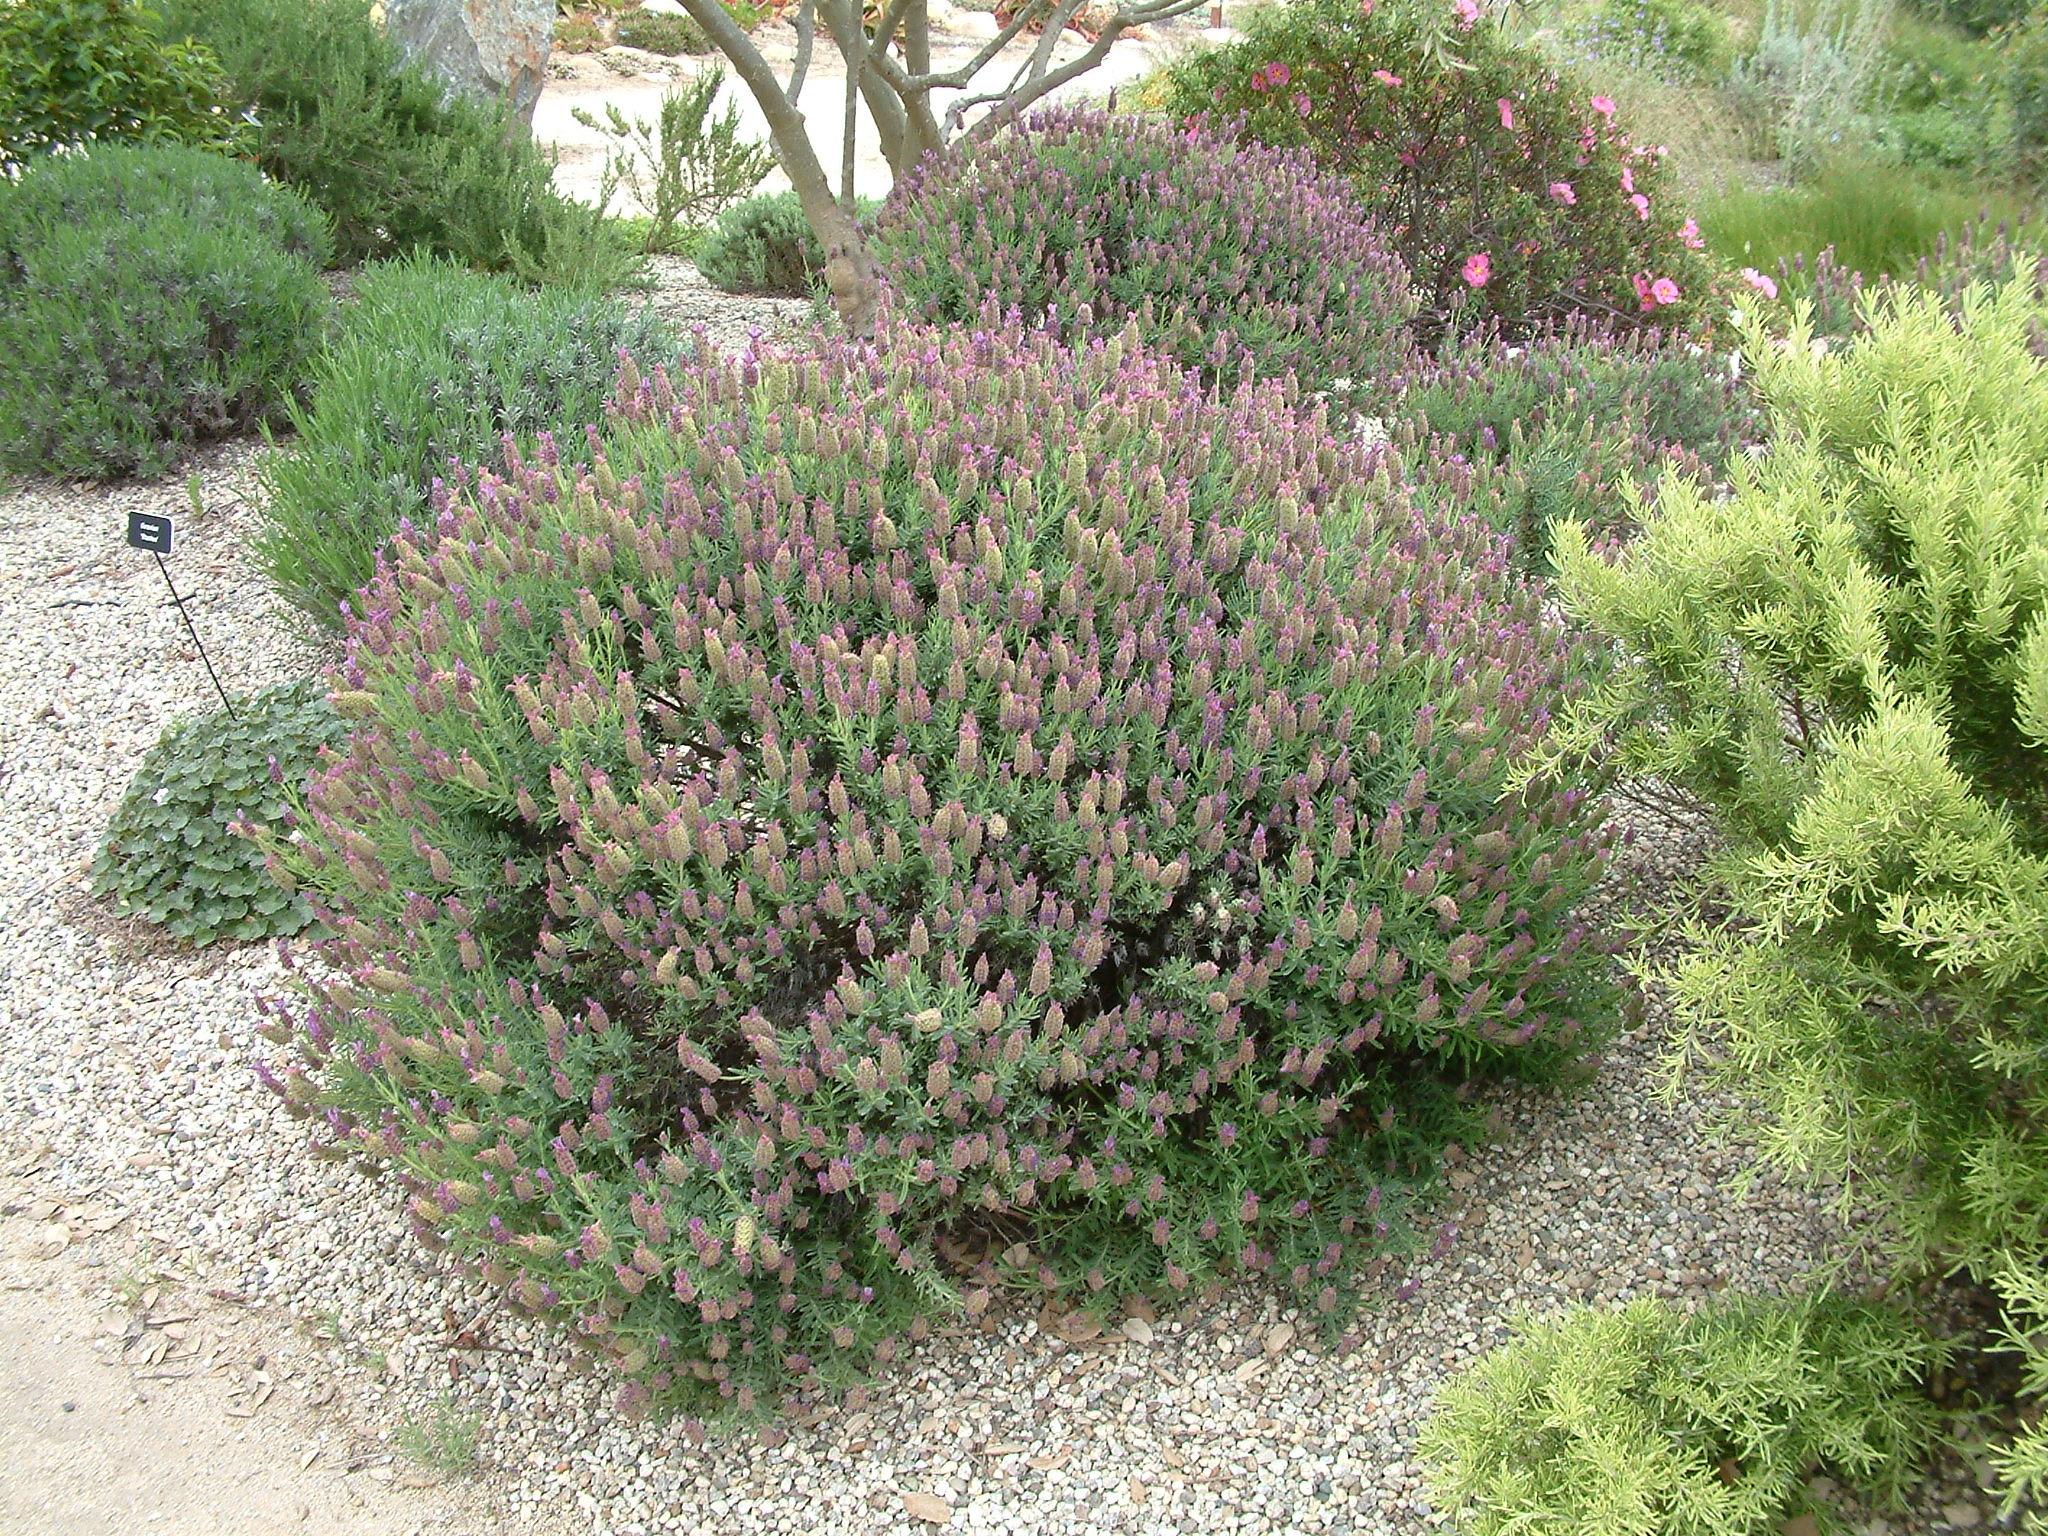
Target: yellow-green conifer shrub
[(1647, 1421), (1848, 660)]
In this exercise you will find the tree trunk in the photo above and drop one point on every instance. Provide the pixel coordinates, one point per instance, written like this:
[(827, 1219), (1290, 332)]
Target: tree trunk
[(496, 50), (856, 294)]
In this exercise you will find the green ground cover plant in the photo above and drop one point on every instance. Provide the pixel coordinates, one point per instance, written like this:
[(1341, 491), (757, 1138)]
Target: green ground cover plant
[(1647, 1421), (1575, 423), (832, 853), (1848, 663), (1234, 258), (151, 297), (1512, 195), (176, 852), (434, 366)]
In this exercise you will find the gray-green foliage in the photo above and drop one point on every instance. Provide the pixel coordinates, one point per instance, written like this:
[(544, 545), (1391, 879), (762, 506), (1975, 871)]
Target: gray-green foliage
[(1848, 660), (763, 246), (686, 167), (151, 296), (1646, 1421), (435, 363), (172, 854)]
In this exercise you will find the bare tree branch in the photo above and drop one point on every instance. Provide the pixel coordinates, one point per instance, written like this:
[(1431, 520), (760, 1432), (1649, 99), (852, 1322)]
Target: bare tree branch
[(1013, 104), (806, 27)]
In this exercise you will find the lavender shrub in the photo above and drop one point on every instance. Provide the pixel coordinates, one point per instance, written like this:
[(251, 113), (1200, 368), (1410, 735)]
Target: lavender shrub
[(891, 827), (1234, 258)]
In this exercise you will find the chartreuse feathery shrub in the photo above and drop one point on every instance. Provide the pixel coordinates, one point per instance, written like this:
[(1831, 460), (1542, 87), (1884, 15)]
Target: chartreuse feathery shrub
[(897, 824), (1511, 194), (434, 366), (173, 852), (150, 297), (1647, 1421), (1848, 660), (1233, 257)]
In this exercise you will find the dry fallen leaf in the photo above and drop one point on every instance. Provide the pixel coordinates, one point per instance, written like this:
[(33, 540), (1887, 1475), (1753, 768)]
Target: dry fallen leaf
[(1463, 1178), (1005, 1448), (1250, 1368), (1078, 1327), (1800, 1525), (1054, 1462), (1172, 1457), (927, 1507), (1137, 1330), (1279, 1337), (1137, 1491)]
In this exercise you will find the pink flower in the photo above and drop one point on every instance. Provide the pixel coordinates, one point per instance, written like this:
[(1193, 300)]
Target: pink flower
[(1478, 268), (1642, 205), (1603, 106), (1664, 291), (1301, 103), (1763, 285), (1507, 113), (1628, 179), (1689, 232), (1279, 74), (1386, 79), (1562, 191), (1467, 12)]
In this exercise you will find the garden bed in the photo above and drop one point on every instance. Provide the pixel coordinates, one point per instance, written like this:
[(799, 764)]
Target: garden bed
[(128, 1085)]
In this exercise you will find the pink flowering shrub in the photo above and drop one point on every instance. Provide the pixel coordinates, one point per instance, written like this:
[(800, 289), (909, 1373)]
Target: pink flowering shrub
[(894, 826), (1233, 257), (1499, 160)]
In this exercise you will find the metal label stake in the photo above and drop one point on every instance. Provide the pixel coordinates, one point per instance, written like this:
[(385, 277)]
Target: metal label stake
[(151, 531)]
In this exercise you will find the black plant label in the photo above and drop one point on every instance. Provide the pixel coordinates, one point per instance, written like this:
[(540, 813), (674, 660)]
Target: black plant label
[(150, 531)]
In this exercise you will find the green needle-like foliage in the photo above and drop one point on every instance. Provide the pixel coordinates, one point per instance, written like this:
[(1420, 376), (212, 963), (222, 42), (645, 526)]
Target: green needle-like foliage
[(1647, 1421), (1848, 659)]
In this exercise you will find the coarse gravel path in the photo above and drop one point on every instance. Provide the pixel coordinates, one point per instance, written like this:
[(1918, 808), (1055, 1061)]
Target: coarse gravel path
[(206, 1328)]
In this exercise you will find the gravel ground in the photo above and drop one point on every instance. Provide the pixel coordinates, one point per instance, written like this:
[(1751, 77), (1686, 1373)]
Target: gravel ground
[(126, 1087)]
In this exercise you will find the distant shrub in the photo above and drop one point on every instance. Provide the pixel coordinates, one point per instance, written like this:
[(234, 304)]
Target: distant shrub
[(1977, 17), (1810, 82), (1511, 195), (889, 827), (687, 165), (579, 32), (765, 245), (172, 853), (1675, 41), (656, 32), (150, 298), (79, 71), (1232, 257), (398, 164), (1848, 662), (1944, 99), (1646, 1421), (434, 366), (2024, 51)]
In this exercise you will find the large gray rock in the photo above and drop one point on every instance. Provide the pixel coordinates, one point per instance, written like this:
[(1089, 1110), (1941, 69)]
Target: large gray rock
[(495, 49)]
